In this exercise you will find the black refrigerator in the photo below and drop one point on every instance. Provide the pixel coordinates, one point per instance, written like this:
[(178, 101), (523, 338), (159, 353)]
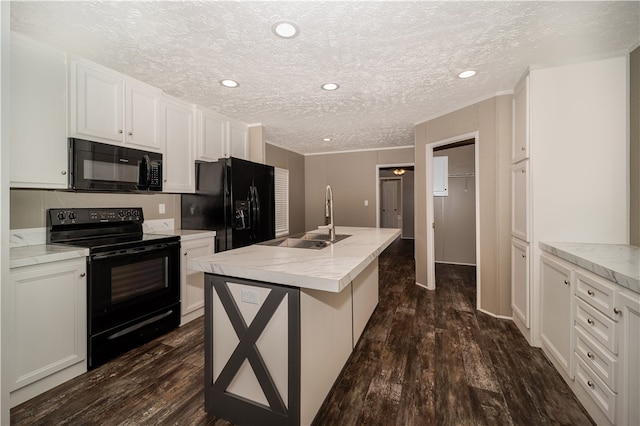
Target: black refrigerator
[(235, 198)]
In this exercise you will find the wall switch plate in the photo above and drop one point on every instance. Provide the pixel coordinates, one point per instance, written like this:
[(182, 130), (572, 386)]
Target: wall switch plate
[(161, 208), (250, 296), (366, 202)]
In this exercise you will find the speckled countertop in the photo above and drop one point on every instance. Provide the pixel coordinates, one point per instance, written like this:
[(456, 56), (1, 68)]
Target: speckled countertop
[(619, 263), (44, 253)]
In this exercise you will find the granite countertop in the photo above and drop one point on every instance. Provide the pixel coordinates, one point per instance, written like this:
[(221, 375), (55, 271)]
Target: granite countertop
[(619, 263), (186, 234), (329, 269), (44, 253)]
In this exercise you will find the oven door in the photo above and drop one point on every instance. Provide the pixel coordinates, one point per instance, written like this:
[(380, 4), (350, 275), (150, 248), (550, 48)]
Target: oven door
[(125, 285)]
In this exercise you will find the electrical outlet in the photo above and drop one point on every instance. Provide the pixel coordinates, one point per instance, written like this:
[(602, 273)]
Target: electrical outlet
[(250, 296), (366, 202), (161, 208)]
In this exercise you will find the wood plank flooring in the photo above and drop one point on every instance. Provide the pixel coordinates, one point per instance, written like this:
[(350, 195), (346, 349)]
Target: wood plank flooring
[(425, 358)]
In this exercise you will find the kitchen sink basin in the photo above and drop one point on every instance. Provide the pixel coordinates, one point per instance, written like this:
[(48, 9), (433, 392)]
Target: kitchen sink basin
[(306, 241)]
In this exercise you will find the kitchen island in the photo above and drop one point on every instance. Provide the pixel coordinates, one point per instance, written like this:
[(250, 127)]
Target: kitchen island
[(281, 322)]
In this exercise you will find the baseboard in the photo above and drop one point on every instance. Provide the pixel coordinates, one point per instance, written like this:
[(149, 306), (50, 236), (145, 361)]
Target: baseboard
[(495, 315), (456, 263), (424, 286)]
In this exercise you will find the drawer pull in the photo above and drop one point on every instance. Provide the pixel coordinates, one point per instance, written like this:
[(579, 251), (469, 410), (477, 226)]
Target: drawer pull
[(590, 321), (616, 311), (524, 256), (591, 293), (82, 274), (566, 282), (590, 384), (590, 355)]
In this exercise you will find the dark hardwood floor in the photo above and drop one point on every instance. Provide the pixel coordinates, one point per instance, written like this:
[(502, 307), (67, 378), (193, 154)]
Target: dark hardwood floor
[(425, 358)]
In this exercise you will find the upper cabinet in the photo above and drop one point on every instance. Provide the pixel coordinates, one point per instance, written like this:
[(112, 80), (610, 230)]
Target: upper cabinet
[(38, 109), (178, 130), (109, 107), (520, 141), (219, 137)]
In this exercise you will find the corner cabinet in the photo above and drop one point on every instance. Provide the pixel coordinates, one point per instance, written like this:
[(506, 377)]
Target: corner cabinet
[(38, 115), (47, 313), (178, 132), (192, 282), (112, 108)]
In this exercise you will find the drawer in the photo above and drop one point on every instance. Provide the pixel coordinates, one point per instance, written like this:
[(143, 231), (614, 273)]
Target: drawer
[(597, 358), (604, 397), (598, 292), (597, 324)]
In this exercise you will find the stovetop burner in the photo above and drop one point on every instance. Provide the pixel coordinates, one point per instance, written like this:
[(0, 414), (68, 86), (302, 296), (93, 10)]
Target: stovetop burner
[(100, 229)]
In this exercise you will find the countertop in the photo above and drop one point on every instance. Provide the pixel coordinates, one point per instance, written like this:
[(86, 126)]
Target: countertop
[(44, 253), (619, 263), (185, 234), (330, 269)]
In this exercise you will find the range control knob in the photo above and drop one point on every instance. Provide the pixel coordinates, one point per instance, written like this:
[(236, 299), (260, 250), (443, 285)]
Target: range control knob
[(72, 215), (122, 213), (61, 216)]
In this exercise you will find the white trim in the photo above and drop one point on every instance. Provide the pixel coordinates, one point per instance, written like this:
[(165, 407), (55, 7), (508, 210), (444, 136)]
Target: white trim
[(283, 147), (456, 263), (424, 286), (360, 150), (504, 317), (431, 273), (465, 105)]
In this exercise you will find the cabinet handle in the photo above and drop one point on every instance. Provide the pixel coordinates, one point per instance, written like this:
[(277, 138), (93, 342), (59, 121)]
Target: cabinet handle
[(523, 171), (523, 148), (524, 256), (590, 384), (64, 172), (566, 282), (590, 292), (184, 254), (590, 321), (616, 311), (120, 131), (82, 275), (590, 355), (130, 133)]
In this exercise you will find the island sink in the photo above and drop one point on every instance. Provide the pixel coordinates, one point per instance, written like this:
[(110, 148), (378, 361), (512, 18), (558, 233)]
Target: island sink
[(307, 240)]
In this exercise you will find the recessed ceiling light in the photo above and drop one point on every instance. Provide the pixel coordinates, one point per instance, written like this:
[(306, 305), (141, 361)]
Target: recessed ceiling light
[(330, 86), (285, 29), (467, 74), (326, 139), (229, 83)]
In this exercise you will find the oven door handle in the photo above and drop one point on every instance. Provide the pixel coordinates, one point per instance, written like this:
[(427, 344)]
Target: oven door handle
[(134, 250)]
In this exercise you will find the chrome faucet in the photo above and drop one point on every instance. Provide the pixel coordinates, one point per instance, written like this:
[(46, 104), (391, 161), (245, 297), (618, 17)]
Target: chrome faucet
[(328, 212)]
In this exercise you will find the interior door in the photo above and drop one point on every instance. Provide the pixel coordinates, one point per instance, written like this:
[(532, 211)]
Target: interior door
[(390, 202)]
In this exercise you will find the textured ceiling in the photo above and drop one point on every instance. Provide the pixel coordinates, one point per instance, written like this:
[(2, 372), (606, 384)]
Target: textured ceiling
[(396, 62)]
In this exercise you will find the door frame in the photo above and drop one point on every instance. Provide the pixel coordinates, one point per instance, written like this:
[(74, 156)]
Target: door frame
[(386, 166), (431, 264)]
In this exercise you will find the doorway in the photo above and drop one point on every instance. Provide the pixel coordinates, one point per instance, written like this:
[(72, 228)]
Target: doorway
[(468, 180), (395, 206)]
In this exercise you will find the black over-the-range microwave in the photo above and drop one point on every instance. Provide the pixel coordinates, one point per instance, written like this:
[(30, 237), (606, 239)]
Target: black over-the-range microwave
[(95, 166)]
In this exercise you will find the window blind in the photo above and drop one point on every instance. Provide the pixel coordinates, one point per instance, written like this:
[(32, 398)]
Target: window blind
[(282, 201)]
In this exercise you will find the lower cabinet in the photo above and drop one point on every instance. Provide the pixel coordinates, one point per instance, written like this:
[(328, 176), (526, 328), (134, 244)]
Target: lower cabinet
[(556, 328), (520, 300), (629, 356), (192, 282), (47, 342)]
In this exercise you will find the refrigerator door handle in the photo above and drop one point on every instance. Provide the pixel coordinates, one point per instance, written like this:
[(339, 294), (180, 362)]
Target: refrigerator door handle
[(256, 203)]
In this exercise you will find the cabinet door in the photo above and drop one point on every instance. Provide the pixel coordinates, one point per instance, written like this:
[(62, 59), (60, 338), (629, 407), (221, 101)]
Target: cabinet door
[(48, 320), (520, 141), (238, 139), (38, 115), (192, 285), (179, 167), (212, 141), (142, 116), (520, 299), (520, 200), (441, 176), (96, 104), (629, 327), (556, 328)]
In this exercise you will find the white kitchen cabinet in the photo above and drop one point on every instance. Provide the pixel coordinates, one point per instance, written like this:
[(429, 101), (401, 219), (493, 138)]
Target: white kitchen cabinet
[(557, 112), (520, 141), (38, 115), (520, 289), (212, 140), (520, 199), (441, 176), (238, 139), (47, 313), (192, 282), (109, 107), (629, 356), (556, 331), (178, 121)]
